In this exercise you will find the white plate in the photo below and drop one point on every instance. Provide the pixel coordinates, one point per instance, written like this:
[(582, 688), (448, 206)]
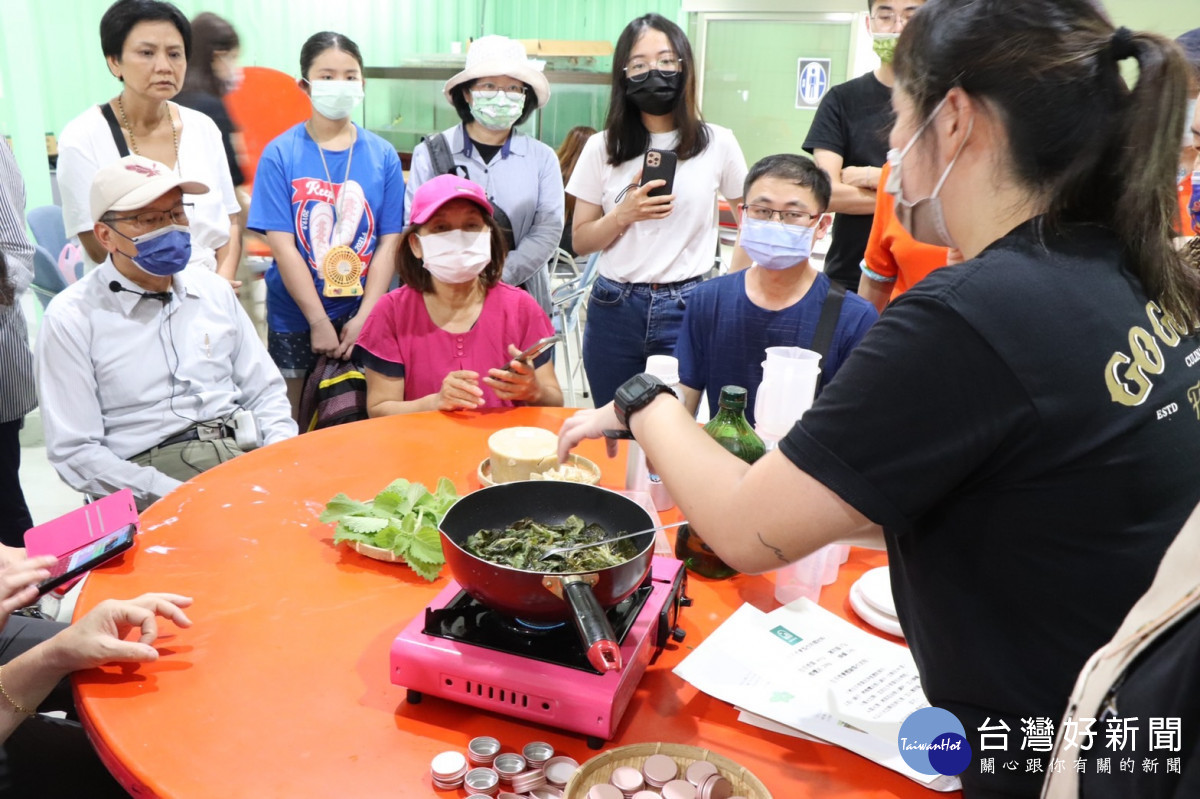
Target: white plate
[(876, 588), (869, 614)]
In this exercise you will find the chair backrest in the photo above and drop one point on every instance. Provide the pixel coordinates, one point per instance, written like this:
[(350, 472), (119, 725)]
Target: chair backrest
[(568, 298), (47, 280), (46, 222)]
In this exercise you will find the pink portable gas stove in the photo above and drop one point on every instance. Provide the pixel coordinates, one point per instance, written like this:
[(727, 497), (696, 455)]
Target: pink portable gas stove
[(463, 651)]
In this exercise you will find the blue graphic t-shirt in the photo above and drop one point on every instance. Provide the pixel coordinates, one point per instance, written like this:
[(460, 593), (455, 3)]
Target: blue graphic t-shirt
[(292, 194)]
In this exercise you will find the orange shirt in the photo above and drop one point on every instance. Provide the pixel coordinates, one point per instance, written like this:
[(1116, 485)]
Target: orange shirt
[(1185, 199), (892, 253)]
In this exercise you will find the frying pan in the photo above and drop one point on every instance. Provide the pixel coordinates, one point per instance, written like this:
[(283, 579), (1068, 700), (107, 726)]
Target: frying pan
[(541, 596)]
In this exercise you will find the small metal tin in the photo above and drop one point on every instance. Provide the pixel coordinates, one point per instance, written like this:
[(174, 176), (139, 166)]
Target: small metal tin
[(659, 770), (558, 770), (527, 782), (627, 779), (604, 791), (482, 751), (699, 771), (679, 789), (537, 753), (508, 765), (482, 780)]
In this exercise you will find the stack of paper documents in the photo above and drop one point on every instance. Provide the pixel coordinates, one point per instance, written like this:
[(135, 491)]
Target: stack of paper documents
[(804, 671)]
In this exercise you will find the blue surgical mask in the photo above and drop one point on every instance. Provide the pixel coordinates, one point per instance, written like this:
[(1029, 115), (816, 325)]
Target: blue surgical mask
[(162, 252), (774, 245)]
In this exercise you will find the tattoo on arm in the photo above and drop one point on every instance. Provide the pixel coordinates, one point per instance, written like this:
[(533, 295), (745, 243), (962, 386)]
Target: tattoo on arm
[(778, 552)]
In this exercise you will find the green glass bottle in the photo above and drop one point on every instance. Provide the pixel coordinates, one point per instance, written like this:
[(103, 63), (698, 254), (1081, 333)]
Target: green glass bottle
[(731, 430)]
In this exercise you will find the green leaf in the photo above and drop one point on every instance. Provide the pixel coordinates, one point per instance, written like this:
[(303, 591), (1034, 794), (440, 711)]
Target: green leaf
[(403, 517), (429, 571), (427, 545), (341, 506), (364, 524)]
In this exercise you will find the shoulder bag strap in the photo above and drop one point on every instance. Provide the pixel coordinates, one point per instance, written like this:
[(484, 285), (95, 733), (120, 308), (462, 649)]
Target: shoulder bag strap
[(118, 137), (827, 324), (441, 157)]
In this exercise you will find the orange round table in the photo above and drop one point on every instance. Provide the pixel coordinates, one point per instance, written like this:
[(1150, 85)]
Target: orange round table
[(281, 688)]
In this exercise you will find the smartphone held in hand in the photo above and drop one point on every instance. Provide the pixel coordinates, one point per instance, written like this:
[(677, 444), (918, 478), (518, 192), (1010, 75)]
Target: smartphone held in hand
[(659, 165), (534, 351)]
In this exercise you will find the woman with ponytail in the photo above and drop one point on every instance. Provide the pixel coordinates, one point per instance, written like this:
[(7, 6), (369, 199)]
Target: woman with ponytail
[(1022, 430)]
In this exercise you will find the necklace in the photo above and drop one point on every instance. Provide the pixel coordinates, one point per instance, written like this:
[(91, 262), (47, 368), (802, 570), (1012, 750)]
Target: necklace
[(129, 129), (340, 267)]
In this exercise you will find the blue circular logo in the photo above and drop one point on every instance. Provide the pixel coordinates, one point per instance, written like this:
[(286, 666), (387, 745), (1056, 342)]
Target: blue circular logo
[(932, 741), (813, 82)]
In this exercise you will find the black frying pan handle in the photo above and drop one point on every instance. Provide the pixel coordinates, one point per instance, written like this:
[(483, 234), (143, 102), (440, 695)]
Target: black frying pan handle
[(603, 651)]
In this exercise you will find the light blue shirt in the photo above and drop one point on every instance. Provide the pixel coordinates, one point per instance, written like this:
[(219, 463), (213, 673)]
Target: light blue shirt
[(524, 179)]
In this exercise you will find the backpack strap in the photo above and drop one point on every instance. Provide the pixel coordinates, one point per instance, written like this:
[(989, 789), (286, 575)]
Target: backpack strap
[(118, 137), (827, 324), (441, 157)]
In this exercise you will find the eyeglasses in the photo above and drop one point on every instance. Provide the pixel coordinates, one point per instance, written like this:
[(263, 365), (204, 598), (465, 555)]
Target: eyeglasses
[(487, 91), (153, 220), (637, 71), (761, 213), (887, 18)]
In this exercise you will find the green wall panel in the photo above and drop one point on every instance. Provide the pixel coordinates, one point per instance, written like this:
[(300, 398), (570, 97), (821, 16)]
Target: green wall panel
[(51, 66)]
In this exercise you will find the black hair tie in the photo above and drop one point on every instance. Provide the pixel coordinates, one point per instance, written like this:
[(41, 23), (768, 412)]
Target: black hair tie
[(1122, 45)]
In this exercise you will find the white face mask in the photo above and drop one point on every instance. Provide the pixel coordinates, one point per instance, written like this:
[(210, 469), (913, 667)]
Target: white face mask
[(924, 219), (335, 99), (456, 256)]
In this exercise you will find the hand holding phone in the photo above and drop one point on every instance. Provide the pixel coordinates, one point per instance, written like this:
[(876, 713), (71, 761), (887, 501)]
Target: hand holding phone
[(87, 557), (532, 352), (659, 165)]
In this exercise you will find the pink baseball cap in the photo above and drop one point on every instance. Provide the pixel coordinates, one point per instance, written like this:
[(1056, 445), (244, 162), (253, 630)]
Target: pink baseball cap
[(433, 194)]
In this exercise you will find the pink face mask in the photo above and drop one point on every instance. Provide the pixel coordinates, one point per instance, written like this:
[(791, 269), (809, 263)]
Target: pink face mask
[(924, 219)]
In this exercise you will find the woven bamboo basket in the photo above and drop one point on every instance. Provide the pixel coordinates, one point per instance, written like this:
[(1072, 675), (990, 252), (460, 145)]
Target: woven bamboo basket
[(599, 769)]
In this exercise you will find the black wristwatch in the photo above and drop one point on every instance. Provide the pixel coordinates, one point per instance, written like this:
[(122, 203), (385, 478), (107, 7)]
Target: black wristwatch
[(636, 393)]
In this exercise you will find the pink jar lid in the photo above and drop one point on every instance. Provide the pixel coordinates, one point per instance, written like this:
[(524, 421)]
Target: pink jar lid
[(646, 795), (627, 779), (659, 770), (715, 787), (604, 791), (558, 770), (527, 782), (699, 771), (679, 789)]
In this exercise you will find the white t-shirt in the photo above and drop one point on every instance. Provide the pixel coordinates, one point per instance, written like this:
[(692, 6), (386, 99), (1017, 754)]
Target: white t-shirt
[(682, 245), (86, 144)]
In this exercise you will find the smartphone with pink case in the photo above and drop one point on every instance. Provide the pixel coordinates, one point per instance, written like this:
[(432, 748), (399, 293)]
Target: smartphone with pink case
[(81, 526)]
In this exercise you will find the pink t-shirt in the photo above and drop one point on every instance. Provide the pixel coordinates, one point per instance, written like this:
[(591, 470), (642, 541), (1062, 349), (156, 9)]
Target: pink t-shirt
[(400, 340)]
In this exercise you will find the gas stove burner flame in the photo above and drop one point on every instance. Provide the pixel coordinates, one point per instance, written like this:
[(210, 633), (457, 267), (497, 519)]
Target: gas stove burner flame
[(539, 626)]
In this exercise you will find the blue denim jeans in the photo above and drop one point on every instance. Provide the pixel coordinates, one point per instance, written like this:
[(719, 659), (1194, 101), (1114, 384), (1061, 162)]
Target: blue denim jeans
[(626, 324)]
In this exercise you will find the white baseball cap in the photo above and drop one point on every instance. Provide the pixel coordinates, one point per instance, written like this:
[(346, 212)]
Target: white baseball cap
[(135, 182)]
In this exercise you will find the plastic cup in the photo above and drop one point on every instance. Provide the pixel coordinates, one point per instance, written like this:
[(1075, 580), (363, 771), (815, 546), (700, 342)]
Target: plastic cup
[(792, 353), (804, 578), (833, 562)]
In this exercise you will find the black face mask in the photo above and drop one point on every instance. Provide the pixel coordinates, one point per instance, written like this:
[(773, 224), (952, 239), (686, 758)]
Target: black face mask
[(658, 94)]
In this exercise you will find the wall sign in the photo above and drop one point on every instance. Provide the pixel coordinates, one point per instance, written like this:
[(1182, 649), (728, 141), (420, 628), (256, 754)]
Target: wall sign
[(812, 81)]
